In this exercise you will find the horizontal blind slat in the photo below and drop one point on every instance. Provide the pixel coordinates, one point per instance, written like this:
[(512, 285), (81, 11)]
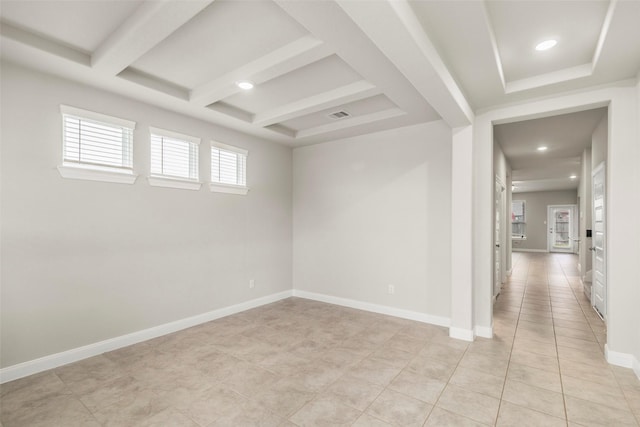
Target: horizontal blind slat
[(91, 142)]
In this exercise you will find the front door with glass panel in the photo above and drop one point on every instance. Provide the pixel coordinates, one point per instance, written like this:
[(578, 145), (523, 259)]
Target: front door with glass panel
[(560, 224)]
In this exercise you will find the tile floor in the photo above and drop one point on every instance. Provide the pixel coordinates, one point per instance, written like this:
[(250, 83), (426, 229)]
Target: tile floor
[(304, 363)]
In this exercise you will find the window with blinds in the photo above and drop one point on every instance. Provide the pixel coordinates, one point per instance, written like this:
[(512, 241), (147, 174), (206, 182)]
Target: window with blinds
[(94, 140), (228, 165), (174, 155)]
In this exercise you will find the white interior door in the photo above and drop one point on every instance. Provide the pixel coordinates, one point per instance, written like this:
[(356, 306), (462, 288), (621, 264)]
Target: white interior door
[(497, 254), (560, 219), (599, 284)]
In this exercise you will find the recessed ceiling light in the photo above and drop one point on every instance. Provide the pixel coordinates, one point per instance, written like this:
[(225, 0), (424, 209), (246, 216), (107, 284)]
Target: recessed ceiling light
[(244, 84), (547, 44), (573, 177), (542, 148)]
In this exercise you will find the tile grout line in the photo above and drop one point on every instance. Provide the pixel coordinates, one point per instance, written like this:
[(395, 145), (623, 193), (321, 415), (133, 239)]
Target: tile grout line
[(506, 374), (608, 365), (555, 340)]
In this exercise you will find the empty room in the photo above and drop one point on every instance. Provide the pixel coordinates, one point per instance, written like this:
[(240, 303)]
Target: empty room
[(319, 213)]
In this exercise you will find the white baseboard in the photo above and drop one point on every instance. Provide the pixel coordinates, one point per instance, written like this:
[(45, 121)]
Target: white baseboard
[(375, 308), (461, 334), (484, 331), (31, 367), (636, 367), (529, 250), (625, 360)]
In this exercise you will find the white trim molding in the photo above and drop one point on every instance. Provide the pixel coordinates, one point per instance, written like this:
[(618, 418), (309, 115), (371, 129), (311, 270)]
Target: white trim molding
[(529, 250), (217, 187), (484, 331), (374, 308), (160, 181), (625, 360), (462, 334), (90, 174), (636, 366), (31, 367)]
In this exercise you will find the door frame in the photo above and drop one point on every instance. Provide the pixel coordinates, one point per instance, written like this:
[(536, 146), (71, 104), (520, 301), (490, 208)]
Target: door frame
[(499, 236), (573, 210), (600, 168), (621, 103)]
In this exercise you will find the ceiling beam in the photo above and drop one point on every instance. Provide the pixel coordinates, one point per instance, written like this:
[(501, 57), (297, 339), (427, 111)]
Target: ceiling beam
[(151, 23), (332, 98), (394, 28), (297, 54)]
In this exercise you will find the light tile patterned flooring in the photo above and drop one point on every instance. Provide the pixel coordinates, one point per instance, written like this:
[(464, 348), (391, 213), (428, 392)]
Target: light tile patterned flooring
[(304, 363)]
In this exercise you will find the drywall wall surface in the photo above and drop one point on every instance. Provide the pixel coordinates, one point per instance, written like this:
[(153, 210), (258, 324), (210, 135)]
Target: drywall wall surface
[(502, 172), (536, 215), (599, 142), (374, 211), (586, 205), (84, 261)]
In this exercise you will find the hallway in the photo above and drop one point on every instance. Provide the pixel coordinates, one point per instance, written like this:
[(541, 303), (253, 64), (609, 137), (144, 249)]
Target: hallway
[(557, 363)]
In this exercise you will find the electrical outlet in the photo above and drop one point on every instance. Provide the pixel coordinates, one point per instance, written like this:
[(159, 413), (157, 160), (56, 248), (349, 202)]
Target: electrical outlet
[(252, 284), (391, 290)]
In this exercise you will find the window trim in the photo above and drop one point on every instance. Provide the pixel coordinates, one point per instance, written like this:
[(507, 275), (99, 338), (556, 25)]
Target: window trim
[(169, 181), (90, 172), (220, 187)]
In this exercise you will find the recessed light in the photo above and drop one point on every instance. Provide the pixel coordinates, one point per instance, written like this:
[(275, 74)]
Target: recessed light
[(542, 148), (547, 44), (573, 177), (244, 84)]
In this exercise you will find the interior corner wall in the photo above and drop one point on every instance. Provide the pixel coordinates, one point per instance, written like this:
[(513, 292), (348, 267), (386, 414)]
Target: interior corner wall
[(584, 192), (501, 170), (373, 211), (85, 261), (536, 216), (636, 297), (599, 142)]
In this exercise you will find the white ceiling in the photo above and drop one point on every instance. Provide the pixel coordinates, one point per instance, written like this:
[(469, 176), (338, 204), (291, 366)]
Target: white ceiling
[(489, 45), (565, 136), (388, 63), (306, 60)]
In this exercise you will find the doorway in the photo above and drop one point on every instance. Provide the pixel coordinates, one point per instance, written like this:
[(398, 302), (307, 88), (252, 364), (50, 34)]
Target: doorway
[(599, 286), (561, 222)]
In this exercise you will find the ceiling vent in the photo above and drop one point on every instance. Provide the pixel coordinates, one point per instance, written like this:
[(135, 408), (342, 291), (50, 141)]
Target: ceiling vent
[(339, 115)]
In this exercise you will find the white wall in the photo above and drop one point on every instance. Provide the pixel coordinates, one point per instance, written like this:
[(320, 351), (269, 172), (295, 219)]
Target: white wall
[(599, 142), (375, 210), (536, 215), (584, 192), (636, 297), (86, 261), (502, 172)]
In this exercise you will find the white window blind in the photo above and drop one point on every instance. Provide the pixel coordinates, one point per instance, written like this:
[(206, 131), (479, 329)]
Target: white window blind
[(228, 165), (96, 140), (174, 155)]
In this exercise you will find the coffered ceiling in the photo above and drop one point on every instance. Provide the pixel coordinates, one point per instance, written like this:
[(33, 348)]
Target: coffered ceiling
[(307, 61), (380, 64)]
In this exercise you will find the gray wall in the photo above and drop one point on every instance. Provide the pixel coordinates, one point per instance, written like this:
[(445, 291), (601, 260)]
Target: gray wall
[(86, 261), (536, 215), (375, 210)]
